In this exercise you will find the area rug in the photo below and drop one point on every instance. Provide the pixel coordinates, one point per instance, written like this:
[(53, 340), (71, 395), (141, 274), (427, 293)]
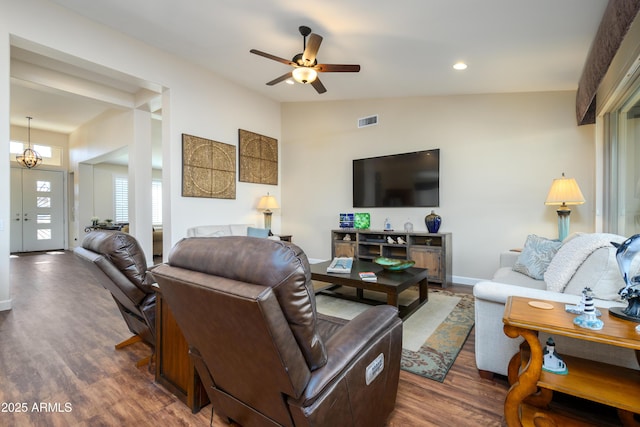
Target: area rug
[(432, 336)]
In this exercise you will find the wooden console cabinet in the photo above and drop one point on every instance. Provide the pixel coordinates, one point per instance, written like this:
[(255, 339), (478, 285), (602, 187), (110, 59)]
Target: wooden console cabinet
[(429, 250)]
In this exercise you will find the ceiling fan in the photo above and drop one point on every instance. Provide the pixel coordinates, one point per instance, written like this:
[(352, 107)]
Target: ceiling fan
[(305, 66)]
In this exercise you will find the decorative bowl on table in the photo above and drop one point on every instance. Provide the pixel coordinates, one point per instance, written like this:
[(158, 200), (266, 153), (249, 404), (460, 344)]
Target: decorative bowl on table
[(392, 264)]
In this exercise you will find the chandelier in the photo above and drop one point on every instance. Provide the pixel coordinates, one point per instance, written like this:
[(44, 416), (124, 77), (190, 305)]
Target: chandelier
[(29, 158)]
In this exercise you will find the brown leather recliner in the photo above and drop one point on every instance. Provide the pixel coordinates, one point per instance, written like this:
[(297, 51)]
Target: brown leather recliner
[(118, 262), (247, 309)]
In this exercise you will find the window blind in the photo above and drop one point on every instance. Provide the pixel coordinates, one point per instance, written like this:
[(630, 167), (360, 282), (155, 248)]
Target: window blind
[(121, 199)]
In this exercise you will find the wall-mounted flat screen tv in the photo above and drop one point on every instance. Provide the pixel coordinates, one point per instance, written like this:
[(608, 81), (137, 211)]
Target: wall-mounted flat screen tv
[(399, 180)]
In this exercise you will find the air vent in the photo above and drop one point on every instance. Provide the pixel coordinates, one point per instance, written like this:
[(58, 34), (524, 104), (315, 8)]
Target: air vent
[(368, 121)]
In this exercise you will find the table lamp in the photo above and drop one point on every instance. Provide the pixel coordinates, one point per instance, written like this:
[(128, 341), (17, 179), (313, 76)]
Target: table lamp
[(265, 204), (564, 192)]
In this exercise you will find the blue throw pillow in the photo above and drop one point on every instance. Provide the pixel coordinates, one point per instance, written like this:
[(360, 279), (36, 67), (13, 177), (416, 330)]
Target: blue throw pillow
[(536, 256), (257, 232)]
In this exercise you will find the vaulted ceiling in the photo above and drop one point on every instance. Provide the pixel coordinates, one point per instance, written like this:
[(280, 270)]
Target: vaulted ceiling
[(405, 48)]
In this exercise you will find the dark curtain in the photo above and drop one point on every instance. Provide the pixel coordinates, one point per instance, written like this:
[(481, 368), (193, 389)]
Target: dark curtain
[(616, 20)]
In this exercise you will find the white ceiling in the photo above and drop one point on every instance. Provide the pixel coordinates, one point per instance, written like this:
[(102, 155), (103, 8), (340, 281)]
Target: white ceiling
[(405, 48)]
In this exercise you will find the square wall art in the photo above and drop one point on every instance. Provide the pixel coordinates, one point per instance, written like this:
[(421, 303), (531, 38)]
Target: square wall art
[(208, 168), (258, 158)]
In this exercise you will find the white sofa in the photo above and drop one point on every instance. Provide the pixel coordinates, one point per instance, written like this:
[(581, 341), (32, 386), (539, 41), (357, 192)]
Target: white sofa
[(584, 260), (228, 230)]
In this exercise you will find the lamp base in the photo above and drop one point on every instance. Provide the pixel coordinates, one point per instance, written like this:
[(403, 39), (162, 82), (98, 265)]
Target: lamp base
[(563, 223), (267, 219)]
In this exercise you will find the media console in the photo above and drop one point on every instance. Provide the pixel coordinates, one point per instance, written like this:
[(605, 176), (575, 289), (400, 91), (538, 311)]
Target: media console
[(429, 250)]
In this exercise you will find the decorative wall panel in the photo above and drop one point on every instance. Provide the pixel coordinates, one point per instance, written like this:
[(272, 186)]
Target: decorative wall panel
[(258, 158), (208, 168)]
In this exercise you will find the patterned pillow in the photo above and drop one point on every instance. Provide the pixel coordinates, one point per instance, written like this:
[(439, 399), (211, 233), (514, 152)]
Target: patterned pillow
[(536, 256)]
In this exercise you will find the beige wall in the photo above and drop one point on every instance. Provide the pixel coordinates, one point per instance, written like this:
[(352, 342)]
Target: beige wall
[(499, 154)]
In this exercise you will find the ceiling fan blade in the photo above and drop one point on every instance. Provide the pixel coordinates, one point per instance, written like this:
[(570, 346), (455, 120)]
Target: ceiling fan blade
[(337, 68), (275, 58), (310, 52), (318, 86), (280, 79)]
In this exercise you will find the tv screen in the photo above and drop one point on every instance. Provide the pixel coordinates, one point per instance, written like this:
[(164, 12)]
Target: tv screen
[(399, 180)]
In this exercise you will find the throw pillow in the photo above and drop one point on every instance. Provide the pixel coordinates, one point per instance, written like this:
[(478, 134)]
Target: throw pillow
[(536, 256), (258, 232)]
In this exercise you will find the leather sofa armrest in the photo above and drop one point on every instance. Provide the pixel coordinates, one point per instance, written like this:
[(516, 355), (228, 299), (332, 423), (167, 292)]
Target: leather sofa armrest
[(347, 344)]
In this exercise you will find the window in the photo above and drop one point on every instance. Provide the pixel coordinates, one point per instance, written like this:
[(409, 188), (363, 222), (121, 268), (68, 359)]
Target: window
[(156, 202), (121, 202), (51, 156), (622, 176), (121, 196)]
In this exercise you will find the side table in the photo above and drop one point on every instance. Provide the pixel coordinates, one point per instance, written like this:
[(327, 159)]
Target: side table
[(174, 367), (532, 388)]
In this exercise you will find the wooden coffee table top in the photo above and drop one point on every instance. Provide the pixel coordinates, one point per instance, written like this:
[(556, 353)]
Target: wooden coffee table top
[(392, 283), (388, 279)]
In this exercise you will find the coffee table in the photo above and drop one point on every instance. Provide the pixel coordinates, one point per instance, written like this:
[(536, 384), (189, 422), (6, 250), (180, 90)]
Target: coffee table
[(392, 283)]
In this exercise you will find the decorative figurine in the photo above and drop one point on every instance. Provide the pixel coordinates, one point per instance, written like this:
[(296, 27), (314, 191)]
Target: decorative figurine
[(551, 361), (579, 308), (408, 226), (401, 241), (347, 237), (625, 254), (390, 240), (588, 319)]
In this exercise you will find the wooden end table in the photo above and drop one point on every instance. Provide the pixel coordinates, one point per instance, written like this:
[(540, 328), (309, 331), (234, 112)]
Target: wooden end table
[(174, 367), (392, 283), (532, 388)]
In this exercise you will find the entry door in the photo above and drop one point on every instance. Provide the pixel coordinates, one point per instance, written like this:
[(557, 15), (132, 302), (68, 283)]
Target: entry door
[(37, 210)]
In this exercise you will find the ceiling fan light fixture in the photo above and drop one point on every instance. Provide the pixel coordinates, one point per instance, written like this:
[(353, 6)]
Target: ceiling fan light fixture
[(304, 75), (460, 66)]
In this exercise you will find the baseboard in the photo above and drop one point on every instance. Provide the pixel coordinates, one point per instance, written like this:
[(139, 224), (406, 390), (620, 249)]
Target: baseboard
[(5, 305), (469, 281)]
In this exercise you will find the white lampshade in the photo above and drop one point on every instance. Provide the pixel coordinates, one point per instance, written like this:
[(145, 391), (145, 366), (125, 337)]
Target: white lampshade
[(304, 74), (564, 191), (268, 202)]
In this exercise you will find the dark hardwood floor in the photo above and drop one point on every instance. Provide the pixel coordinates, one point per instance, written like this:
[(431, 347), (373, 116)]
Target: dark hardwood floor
[(58, 365)]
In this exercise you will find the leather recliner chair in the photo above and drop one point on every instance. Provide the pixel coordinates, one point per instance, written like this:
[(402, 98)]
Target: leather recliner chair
[(118, 262), (247, 309)]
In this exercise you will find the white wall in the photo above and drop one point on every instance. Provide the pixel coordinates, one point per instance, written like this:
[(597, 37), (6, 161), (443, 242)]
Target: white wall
[(103, 179), (104, 175), (195, 101), (498, 153), (96, 139)]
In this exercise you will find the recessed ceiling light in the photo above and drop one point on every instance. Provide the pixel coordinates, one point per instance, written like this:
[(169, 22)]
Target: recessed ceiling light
[(460, 66)]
